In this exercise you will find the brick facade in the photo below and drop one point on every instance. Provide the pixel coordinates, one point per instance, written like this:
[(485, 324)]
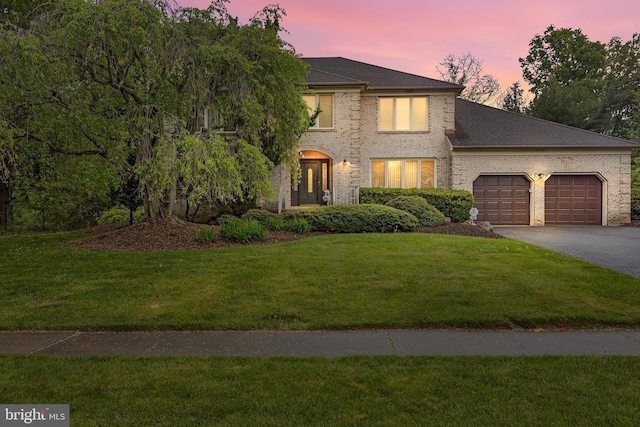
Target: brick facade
[(487, 142), (613, 169), (355, 138)]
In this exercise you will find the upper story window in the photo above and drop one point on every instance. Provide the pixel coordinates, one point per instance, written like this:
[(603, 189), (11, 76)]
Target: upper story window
[(403, 114), (323, 102)]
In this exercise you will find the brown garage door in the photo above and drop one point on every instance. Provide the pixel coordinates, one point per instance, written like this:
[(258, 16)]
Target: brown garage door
[(502, 199), (573, 199)]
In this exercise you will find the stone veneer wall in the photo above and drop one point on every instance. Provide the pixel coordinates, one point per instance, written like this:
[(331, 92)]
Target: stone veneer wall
[(613, 169)]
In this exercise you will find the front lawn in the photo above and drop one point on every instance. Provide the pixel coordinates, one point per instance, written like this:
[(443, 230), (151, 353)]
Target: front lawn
[(389, 391), (326, 282)]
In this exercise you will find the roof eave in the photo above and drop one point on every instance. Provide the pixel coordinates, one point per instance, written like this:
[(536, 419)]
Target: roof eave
[(457, 89), (543, 147)]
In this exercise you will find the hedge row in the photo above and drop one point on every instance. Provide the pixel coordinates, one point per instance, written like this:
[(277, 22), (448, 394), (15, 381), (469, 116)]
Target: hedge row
[(364, 218), (454, 204), (427, 215)]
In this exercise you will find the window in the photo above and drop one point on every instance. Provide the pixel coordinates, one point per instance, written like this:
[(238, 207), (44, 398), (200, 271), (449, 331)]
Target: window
[(403, 114), (216, 120), (325, 103), (397, 173)]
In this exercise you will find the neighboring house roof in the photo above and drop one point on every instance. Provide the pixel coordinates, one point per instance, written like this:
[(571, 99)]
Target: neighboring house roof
[(342, 71), (481, 126)]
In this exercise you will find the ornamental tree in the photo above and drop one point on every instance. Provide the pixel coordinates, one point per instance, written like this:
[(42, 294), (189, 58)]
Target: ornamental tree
[(120, 80)]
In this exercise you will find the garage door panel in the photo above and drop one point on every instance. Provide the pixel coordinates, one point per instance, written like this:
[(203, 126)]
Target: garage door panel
[(502, 199), (573, 199)]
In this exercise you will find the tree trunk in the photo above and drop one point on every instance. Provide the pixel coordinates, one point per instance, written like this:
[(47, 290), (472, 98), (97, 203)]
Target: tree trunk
[(159, 176), (6, 214)]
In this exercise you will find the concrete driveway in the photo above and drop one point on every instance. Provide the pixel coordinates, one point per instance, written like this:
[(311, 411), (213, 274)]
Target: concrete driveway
[(617, 248)]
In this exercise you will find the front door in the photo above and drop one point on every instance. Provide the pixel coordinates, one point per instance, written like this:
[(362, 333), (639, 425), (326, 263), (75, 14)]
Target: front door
[(309, 191)]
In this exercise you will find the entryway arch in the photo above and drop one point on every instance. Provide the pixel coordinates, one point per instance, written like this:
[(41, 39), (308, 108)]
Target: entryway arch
[(316, 172)]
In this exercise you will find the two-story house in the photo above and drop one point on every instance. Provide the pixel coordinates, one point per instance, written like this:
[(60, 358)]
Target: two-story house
[(384, 128)]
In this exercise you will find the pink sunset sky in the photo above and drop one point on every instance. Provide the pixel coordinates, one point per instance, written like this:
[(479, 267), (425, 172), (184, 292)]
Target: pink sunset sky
[(415, 35)]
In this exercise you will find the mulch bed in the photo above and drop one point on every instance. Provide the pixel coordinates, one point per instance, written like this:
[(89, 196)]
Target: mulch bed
[(181, 235)]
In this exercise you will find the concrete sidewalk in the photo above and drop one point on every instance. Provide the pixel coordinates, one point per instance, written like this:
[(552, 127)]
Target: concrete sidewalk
[(397, 342)]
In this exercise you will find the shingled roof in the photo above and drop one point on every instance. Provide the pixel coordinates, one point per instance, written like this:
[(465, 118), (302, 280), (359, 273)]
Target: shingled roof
[(342, 71), (481, 126)]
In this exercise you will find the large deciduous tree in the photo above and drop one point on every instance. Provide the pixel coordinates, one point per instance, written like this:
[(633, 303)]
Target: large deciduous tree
[(467, 70), (562, 56), (121, 80), (584, 83)]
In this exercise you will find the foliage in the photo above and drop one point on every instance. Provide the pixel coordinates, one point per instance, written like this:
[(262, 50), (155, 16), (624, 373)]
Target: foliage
[(586, 84), (635, 169), (272, 221), (207, 235), (298, 225), (577, 104), (117, 80), (562, 55), (274, 224), (260, 215), (513, 99), (466, 70), (243, 231), (226, 218), (216, 169), (454, 204), (635, 203), (119, 214), (355, 219), (427, 215)]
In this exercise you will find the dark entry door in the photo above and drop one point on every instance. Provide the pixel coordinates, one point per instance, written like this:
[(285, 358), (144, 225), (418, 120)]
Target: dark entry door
[(309, 188)]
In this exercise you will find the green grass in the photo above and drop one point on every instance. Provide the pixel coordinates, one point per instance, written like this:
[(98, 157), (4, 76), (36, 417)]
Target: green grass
[(332, 282), (389, 391)]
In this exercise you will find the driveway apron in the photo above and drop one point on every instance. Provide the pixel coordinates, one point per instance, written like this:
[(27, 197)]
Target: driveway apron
[(617, 248)]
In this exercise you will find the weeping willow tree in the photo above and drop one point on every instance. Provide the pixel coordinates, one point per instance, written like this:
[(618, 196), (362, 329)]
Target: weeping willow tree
[(132, 79)]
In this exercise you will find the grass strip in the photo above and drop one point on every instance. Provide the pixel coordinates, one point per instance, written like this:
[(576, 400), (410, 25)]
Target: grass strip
[(326, 282), (461, 391)]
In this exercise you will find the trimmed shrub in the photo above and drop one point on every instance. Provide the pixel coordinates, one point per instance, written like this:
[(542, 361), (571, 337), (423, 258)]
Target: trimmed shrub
[(427, 215), (454, 204), (259, 215), (119, 214), (243, 231), (635, 203), (207, 235), (298, 225), (226, 218), (355, 218)]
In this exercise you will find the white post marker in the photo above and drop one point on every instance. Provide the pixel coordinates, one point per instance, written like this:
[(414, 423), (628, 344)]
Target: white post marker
[(473, 212)]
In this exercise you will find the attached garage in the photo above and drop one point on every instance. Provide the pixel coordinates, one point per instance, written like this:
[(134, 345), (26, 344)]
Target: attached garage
[(502, 199), (573, 200)]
